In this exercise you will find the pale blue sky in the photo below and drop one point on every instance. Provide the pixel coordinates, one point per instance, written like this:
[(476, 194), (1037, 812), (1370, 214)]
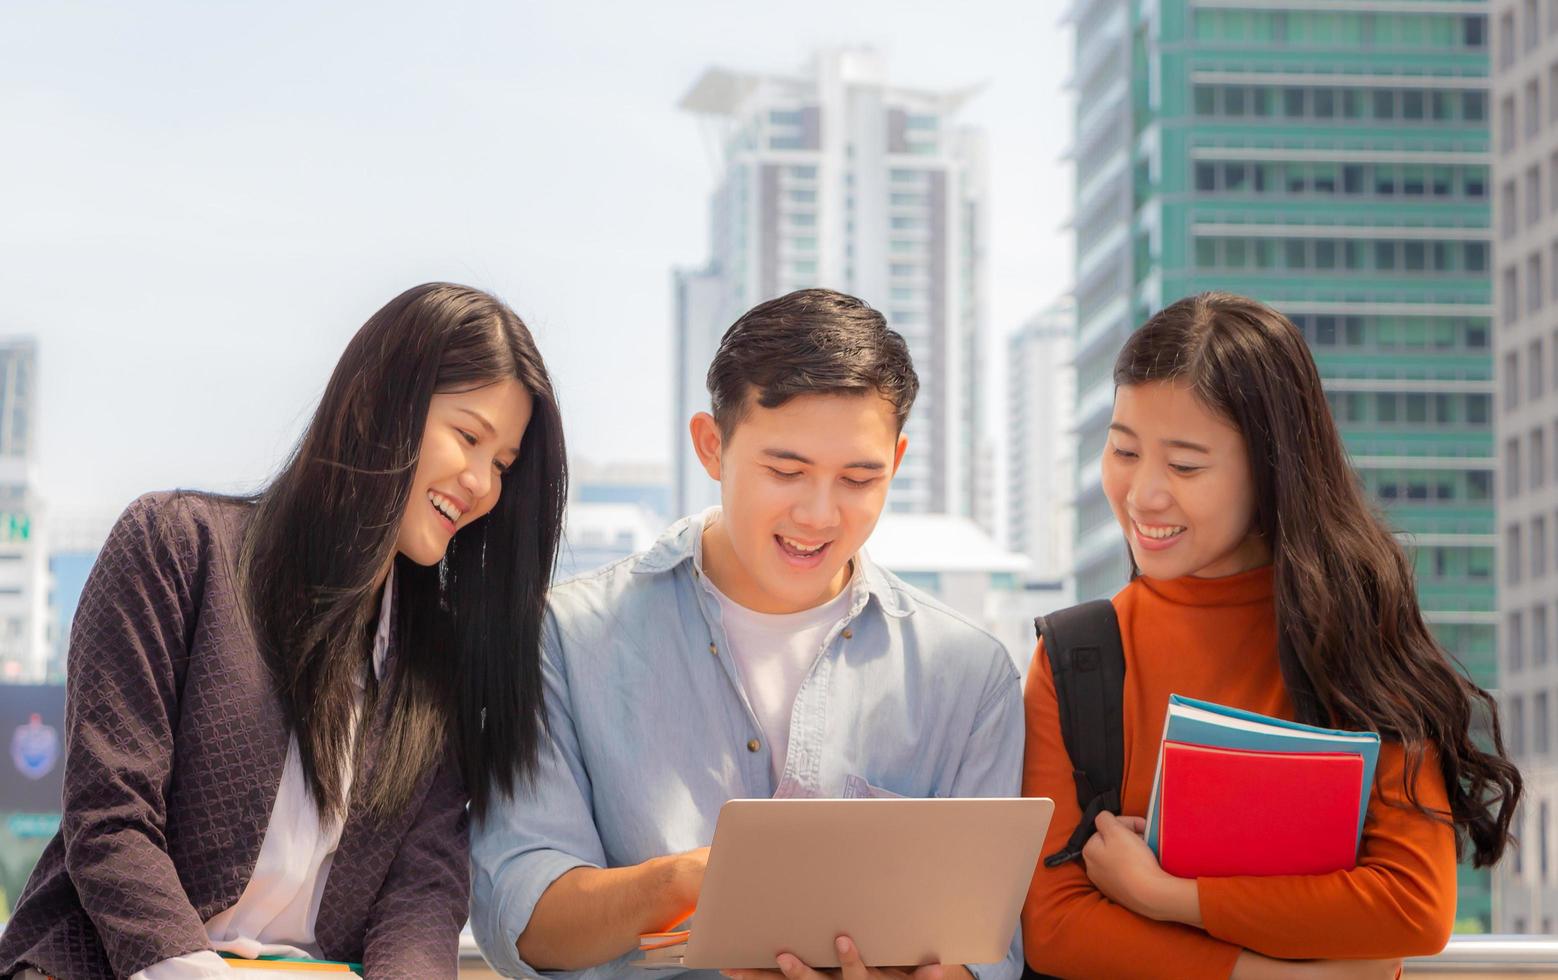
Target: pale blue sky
[(201, 201)]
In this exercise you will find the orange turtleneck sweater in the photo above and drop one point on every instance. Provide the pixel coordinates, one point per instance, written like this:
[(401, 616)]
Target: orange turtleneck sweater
[(1215, 639)]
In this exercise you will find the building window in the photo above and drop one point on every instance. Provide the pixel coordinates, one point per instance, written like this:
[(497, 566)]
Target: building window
[(1530, 24), (1533, 196), (1509, 298), (1517, 726), (1514, 562), (1541, 744), (1511, 381), (1533, 109), (1535, 364), (1538, 547), (1506, 40), (1506, 122), (1541, 830), (1511, 468), (1539, 636), (1533, 282), (1538, 441)]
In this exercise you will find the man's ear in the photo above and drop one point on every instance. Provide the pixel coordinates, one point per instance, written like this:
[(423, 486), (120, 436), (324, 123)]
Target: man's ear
[(903, 443), (706, 442)]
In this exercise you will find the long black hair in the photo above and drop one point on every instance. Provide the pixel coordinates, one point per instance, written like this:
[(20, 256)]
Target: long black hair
[(466, 665), (1354, 649)]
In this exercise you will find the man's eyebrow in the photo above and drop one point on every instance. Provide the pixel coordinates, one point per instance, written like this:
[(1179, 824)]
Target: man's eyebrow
[(795, 457), (1175, 443)]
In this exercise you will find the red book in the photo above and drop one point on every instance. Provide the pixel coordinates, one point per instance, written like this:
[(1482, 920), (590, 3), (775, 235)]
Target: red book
[(1227, 812)]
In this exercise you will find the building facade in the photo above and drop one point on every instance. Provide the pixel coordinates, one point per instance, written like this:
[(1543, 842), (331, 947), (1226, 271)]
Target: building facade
[(1041, 455), (833, 177), (24, 621), (1525, 180), (1332, 160)]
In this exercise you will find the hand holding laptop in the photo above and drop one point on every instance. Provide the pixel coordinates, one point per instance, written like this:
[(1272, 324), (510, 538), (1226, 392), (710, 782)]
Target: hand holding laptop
[(851, 967)]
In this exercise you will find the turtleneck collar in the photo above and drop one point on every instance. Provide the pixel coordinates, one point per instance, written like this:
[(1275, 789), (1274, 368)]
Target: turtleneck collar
[(1244, 588)]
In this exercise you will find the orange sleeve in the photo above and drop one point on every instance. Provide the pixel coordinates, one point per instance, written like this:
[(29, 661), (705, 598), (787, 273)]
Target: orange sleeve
[(1069, 929), (1398, 901)]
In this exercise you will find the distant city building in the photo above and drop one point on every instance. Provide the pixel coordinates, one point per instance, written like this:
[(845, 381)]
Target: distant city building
[(24, 623), (1331, 159), (1525, 254), (595, 535), (646, 484), (954, 560), (1041, 451), (832, 177)]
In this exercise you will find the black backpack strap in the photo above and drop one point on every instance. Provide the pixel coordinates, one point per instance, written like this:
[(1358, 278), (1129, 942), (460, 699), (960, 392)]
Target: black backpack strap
[(1088, 663)]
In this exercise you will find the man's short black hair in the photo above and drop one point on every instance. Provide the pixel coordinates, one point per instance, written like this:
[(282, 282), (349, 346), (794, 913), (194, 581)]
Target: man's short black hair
[(809, 342)]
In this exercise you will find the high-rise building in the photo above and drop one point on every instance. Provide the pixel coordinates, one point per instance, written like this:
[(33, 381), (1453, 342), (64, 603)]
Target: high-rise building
[(1041, 458), (24, 622), (1333, 161), (1525, 252), (832, 177)]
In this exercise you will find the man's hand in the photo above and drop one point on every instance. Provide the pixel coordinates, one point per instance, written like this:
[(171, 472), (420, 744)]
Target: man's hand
[(851, 967), (683, 881), (589, 916), (1121, 865)]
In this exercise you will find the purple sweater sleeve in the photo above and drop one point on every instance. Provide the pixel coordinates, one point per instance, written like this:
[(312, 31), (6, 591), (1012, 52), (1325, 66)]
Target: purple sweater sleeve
[(414, 925), (128, 643)]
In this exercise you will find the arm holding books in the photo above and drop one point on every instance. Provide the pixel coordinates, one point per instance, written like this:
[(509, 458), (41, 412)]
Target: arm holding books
[(1070, 928), (1398, 901)]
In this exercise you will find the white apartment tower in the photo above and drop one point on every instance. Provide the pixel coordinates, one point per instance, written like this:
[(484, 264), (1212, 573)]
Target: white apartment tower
[(832, 177), (1041, 449), (1525, 175), (24, 622)]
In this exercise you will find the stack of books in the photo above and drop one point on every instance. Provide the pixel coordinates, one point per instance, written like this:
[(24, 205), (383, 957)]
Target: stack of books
[(1239, 793), (267, 967)]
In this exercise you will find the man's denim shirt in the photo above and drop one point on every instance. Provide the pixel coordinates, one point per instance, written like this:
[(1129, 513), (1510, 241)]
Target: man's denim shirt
[(651, 731)]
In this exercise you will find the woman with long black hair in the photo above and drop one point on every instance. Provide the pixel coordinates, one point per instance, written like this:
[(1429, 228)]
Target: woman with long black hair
[(1262, 579), (279, 706)]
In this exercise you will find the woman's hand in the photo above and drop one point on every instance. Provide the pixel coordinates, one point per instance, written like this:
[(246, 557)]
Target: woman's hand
[(1123, 867)]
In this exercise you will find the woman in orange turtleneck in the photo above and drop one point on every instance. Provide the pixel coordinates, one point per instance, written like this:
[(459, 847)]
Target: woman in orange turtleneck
[(1263, 581)]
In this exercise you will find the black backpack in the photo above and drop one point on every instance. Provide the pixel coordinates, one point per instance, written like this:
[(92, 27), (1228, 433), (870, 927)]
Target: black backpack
[(1088, 663)]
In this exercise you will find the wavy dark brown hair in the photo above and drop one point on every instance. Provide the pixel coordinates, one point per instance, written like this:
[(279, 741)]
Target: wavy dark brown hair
[(466, 667), (1354, 649)]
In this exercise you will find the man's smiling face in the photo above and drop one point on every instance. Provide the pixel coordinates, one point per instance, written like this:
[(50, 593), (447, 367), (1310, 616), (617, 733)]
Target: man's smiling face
[(801, 488)]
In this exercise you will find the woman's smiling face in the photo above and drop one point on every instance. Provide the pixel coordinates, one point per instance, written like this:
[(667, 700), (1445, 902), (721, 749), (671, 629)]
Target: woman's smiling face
[(470, 439), (1177, 476)]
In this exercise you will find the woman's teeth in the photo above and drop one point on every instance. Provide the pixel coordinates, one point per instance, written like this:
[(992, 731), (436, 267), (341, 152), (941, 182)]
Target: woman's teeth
[(1159, 532), (445, 507)]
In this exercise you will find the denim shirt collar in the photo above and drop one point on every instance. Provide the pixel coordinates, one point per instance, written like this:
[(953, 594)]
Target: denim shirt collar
[(683, 541)]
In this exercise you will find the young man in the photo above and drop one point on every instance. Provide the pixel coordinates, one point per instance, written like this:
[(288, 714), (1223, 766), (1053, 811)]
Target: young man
[(754, 651)]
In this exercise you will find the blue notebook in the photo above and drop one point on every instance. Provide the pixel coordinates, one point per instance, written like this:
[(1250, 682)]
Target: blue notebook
[(1219, 726)]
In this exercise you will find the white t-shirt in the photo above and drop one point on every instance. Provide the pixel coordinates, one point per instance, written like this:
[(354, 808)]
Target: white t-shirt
[(773, 654)]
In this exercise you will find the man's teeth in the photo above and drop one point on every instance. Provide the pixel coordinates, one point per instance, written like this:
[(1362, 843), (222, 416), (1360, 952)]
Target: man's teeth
[(803, 549), (1159, 533), (444, 507)]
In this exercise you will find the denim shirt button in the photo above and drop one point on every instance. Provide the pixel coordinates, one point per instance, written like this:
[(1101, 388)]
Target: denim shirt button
[(753, 745), (849, 634), (713, 648)]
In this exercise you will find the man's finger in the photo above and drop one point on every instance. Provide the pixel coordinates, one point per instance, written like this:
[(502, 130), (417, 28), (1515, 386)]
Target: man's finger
[(793, 969), (853, 967), (753, 974), (930, 971)]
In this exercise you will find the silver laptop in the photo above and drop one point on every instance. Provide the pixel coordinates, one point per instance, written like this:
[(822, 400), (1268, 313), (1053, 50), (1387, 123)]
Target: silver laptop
[(910, 881)]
